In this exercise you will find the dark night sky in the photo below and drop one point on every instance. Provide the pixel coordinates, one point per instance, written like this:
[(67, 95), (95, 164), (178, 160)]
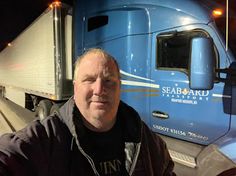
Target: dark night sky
[(16, 15)]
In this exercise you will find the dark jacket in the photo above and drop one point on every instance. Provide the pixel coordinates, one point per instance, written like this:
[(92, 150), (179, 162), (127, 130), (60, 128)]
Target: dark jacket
[(52, 148)]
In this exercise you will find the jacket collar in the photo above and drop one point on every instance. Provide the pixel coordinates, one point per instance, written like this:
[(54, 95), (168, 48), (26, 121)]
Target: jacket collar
[(131, 119)]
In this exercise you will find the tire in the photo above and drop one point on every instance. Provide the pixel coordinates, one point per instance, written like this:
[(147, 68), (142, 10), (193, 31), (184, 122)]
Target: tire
[(43, 109)]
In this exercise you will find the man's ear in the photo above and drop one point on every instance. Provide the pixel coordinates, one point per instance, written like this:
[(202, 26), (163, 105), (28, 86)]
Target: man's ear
[(75, 87)]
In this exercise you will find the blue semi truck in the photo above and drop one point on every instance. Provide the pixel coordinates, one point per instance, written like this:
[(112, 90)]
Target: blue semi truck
[(176, 71)]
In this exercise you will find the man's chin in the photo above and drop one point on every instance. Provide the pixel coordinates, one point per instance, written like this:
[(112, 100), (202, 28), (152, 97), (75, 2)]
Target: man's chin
[(99, 109)]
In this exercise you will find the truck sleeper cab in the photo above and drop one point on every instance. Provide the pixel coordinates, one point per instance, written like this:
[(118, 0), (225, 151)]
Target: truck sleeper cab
[(171, 59)]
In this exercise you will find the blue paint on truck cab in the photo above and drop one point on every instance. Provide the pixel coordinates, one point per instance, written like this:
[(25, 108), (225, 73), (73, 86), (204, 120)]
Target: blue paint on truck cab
[(175, 72)]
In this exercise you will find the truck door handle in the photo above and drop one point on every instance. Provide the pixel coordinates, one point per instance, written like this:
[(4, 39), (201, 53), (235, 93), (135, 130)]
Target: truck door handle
[(159, 114)]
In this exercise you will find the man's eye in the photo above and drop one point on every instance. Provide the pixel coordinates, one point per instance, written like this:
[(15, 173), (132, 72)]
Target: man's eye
[(89, 80), (110, 81)]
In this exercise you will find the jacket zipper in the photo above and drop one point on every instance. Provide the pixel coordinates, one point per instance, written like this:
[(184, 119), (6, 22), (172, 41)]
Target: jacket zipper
[(135, 159), (90, 160)]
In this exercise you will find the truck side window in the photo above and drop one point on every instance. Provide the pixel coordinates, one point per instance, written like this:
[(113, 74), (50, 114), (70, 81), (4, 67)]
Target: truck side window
[(173, 49), (97, 22)]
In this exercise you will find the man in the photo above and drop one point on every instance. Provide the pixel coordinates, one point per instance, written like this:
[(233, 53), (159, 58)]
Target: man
[(95, 133)]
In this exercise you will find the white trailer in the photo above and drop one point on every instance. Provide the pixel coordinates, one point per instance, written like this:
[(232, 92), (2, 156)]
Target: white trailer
[(36, 69)]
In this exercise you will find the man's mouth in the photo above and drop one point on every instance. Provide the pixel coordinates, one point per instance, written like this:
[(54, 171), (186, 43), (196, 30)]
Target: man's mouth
[(100, 102)]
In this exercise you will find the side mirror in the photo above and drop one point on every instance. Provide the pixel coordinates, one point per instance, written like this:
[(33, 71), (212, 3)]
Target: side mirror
[(202, 64)]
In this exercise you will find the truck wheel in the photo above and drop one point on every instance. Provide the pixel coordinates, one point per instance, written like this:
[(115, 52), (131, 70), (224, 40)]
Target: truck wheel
[(55, 108), (43, 109)]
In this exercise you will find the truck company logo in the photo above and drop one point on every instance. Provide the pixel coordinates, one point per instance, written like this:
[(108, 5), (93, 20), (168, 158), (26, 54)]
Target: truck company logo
[(184, 95), (176, 94)]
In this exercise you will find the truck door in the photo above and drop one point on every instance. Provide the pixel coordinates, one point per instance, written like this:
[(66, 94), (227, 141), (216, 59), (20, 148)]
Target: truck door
[(193, 115)]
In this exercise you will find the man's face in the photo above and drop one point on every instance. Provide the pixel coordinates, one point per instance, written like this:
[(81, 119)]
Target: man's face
[(97, 90)]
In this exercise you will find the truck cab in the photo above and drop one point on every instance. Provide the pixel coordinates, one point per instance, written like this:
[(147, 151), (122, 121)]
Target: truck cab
[(175, 71)]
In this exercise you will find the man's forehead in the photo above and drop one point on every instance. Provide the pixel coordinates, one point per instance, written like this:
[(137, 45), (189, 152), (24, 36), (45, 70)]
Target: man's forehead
[(105, 71)]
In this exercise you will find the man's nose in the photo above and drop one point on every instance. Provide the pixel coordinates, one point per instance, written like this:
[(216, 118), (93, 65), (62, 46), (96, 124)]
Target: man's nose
[(98, 87)]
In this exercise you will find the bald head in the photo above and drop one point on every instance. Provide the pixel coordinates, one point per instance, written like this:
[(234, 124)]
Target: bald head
[(98, 52)]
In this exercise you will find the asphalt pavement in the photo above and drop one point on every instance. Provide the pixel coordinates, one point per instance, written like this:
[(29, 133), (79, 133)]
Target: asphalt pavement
[(13, 117)]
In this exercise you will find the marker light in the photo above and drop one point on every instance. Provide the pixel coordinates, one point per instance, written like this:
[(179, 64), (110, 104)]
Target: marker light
[(55, 4), (9, 44), (217, 13)]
